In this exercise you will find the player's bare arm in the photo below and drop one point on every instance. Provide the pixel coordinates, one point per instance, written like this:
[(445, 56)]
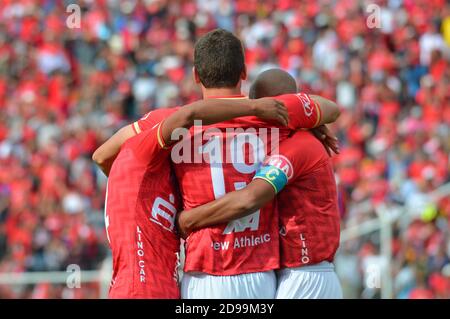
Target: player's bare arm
[(211, 111), (105, 155), (325, 111), (327, 138), (259, 192), (233, 205), (268, 181), (329, 110)]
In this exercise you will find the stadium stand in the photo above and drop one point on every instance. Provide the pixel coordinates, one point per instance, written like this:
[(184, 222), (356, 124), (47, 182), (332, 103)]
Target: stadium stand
[(64, 91)]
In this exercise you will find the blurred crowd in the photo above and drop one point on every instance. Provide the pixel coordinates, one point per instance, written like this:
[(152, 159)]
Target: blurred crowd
[(63, 91)]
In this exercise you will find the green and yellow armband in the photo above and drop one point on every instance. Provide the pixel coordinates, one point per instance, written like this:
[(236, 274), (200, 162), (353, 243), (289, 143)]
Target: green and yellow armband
[(274, 176)]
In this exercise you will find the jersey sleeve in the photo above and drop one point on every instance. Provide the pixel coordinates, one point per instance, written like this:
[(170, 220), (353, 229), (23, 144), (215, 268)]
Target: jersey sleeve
[(287, 162), (303, 111), (144, 123), (277, 169), (152, 118), (149, 146)]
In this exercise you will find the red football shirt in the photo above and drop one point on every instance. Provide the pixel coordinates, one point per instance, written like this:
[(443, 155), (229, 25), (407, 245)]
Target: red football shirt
[(307, 206), (152, 118), (225, 160), (141, 204)]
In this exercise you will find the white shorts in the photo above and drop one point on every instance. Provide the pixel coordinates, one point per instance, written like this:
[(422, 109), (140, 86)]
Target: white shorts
[(309, 282), (260, 285)]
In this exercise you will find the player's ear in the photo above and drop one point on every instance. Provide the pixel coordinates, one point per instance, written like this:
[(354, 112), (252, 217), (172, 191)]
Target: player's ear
[(244, 73), (195, 75)]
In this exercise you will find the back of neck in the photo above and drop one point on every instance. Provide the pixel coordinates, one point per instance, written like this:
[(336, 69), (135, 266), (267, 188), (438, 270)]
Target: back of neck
[(220, 92)]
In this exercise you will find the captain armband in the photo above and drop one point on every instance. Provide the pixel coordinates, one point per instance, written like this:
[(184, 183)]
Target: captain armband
[(273, 175)]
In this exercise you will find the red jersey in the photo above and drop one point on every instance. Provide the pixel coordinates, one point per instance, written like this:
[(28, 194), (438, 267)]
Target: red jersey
[(307, 206), (152, 118), (215, 163), (140, 208)]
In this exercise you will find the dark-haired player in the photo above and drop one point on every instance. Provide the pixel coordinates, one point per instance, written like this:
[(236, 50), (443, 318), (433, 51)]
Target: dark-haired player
[(234, 260), (219, 68), (142, 200), (307, 206)]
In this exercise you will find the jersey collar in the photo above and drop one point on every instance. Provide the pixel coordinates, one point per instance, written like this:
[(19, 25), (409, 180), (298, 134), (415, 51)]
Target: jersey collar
[(237, 96)]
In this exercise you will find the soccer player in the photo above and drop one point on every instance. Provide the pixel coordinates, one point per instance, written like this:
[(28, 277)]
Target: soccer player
[(237, 273), (308, 213), (235, 260), (142, 200)]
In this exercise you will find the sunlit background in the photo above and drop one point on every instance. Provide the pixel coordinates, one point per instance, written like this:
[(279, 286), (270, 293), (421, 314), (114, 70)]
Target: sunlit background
[(65, 88)]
